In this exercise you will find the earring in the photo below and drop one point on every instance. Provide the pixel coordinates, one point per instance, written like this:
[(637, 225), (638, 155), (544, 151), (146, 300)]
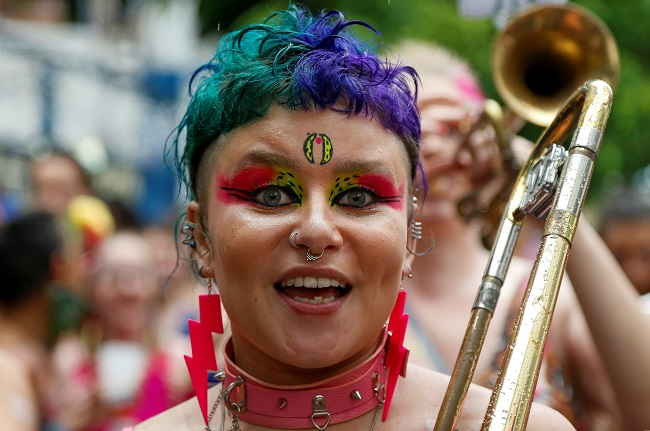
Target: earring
[(397, 355), (203, 359), (408, 270), (188, 231), (415, 229)]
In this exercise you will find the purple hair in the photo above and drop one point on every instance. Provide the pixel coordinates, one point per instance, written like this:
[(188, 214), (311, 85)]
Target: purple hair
[(298, 61)]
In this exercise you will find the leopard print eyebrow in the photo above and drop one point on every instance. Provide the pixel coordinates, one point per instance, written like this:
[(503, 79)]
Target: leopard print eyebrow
[(340, 184)]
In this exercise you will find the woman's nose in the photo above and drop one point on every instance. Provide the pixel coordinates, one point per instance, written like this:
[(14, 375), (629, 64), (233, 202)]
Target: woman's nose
[(318, 229)]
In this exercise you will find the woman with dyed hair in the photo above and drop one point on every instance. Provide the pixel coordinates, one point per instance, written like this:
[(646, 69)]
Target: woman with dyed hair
[(301, 156)]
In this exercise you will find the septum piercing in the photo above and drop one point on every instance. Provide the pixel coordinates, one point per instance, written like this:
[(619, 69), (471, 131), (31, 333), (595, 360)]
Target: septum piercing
[(310, 256)]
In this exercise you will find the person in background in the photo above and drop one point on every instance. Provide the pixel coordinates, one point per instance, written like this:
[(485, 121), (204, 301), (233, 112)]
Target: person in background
[(624, 224), (177, 291), (301, 157), (56, 178), (595, 377), (30, 251), (61, 186), (114, 372)]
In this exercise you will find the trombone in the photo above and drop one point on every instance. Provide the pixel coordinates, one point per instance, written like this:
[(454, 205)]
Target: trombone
[(538, 60), (552, 184)]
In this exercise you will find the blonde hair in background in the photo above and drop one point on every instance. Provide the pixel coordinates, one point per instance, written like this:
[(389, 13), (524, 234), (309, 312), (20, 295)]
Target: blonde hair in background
[(432, 60)]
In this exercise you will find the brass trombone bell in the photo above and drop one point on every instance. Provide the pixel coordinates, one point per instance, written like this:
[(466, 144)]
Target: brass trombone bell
[(548, 51)]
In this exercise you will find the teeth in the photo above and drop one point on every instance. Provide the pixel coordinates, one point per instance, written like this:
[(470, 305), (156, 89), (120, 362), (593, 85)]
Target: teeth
[(311, 282), (316, 300)]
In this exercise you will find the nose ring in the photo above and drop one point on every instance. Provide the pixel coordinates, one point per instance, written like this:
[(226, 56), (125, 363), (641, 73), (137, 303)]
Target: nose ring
[(310, 256), (292, 239)]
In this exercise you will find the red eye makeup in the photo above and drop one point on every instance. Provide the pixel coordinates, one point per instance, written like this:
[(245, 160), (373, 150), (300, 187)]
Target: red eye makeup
[(244, 185)]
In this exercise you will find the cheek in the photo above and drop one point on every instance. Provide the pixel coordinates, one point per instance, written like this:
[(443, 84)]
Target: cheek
[(103, 303), (241, 243), (388, 246)]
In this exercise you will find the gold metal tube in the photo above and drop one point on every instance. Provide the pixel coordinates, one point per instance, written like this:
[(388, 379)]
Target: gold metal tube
[(587, 111), (516, 384), (513, 393)]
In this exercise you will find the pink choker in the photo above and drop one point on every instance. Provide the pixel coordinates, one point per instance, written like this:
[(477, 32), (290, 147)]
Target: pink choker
[(334, 400), (331, 401)]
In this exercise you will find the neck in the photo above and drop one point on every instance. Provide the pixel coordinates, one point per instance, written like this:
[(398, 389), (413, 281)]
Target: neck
[(259, 364), (455, 243), (336, 399)]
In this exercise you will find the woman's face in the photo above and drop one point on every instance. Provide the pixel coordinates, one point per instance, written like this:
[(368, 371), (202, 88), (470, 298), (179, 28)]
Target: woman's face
[(124, 291), (449, 166), (341, 182)]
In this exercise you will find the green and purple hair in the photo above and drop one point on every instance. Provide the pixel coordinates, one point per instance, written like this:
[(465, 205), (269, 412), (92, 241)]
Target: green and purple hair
[(299, 61)]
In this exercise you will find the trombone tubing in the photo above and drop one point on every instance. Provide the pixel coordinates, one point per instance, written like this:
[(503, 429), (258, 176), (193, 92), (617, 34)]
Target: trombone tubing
[(513, 393), (596, 97)]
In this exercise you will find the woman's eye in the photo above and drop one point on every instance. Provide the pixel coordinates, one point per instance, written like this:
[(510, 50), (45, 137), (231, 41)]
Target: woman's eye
[(274, 196), (356, 198)]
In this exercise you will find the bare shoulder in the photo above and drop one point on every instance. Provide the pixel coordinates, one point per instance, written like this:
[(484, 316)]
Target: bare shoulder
[(420, 396), (18, 399), (14, 373)]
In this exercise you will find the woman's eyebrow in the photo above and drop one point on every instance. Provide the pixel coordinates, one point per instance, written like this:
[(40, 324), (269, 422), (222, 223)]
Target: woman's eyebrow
[(266, 157), (374, 166)]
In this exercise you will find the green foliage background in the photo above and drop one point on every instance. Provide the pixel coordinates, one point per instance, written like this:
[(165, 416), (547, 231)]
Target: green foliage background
[(624, 152)]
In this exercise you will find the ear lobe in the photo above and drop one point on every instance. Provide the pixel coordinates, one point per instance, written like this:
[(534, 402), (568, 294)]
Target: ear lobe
[(202, 245), (407, 264), (408, 258)]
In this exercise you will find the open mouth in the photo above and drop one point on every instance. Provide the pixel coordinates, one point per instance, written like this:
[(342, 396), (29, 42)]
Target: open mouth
[(313, 290)]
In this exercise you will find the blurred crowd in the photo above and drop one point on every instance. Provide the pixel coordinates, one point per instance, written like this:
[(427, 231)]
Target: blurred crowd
[(94, 306)]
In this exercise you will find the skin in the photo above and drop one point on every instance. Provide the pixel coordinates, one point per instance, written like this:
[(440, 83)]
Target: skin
[(282, 340), (56, 180), (125, 289), (629, 241), (19, 401), (23, 362)]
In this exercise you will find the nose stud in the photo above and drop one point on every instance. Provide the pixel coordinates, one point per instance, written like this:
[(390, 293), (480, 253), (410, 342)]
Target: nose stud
[(310, 256)]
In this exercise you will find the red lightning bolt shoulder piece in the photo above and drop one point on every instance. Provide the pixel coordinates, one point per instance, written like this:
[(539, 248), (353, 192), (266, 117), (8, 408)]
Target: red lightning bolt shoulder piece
[(203, 358), (397, 356)]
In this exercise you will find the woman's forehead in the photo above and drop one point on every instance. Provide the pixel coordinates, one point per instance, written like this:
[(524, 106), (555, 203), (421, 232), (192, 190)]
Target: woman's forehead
[(305, 139)]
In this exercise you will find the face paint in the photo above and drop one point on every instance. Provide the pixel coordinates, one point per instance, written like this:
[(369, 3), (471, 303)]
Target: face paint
[(318, 139), (383, 189), (244, 185)]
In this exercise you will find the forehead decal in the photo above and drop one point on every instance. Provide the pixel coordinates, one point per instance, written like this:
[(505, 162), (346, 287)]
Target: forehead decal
[(318, 139)]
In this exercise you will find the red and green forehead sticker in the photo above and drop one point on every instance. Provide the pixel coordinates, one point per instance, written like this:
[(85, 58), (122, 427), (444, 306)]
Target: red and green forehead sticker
[(318, 139)]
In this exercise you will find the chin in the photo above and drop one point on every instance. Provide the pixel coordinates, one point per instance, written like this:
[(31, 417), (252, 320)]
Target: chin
[(313, 353)]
